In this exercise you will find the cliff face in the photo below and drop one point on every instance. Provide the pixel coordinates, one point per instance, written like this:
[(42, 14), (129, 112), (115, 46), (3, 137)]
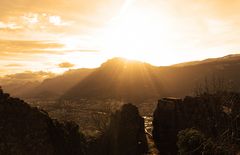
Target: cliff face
[(125, 135), (25, 131), (165, 125), (211, 114)]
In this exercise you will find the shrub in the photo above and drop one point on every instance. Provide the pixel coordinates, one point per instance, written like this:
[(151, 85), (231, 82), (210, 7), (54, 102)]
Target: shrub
[(192, 141)]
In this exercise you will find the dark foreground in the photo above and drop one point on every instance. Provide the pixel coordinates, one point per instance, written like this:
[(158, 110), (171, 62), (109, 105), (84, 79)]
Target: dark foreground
[(206, 124)]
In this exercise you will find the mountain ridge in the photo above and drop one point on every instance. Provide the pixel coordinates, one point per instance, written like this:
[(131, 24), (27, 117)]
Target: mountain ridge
[(143, 81), (123, 79)]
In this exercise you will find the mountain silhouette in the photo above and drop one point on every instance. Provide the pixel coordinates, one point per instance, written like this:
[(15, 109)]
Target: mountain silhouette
[(57, 86), (228, 58), (134, 80), (128, 80), (119, 79)]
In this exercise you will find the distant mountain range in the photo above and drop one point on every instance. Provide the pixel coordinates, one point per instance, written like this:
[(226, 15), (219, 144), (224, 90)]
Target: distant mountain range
[(57, 86), (135, 81), (52, 87), (228, 58)]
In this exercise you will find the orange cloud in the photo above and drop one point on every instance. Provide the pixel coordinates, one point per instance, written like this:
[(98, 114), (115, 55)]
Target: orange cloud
[(27, 46), (14, 65), (66, 65), (29, 75), (83, 12)]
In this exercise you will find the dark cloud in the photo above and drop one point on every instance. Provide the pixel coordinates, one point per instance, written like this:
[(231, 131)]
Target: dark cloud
[(66, 65)]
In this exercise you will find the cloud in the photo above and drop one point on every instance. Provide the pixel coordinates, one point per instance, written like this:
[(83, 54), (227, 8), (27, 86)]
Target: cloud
[(88, 13), (14, 65), (66, 65), (83, 50), (29, 75), (26, 50), (40, 22), (24, 77), (28, 46), (9, 26)]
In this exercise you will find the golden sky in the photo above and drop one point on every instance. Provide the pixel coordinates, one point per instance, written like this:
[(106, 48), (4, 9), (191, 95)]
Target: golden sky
[(55, 35)]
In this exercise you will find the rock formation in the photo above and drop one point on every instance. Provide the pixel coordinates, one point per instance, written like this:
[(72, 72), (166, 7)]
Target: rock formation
[(211, 114), (26, 131), (125, 135), (165, 125)]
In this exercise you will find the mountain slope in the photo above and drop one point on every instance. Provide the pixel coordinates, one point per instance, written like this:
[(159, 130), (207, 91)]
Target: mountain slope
[(227, 58), (183, 80), (132, 80), (19, 84), (119, 79), (55, 87)]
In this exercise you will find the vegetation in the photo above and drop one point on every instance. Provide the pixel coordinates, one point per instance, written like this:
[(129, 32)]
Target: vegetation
[(25, 130), (192, 141), (213, 116)]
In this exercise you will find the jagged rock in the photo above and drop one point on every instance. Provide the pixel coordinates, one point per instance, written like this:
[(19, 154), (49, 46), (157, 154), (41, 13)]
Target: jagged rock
[(126, 135), (26, 131), (165, 125), (210, 114)]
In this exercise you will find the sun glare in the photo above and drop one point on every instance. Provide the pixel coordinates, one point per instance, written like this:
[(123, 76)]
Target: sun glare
[(135, 34), (69, 43)]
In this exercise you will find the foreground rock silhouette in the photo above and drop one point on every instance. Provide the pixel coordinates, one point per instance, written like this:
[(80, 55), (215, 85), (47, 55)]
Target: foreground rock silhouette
[(125, 134), (26, 131), (216, 116)]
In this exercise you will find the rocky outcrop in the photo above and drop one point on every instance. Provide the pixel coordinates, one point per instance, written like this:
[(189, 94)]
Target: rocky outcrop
[(25, 131), (125, 135), (211, 114), (165, 125)]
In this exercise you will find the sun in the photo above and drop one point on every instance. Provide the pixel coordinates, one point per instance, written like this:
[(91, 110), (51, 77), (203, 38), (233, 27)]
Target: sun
[(137, 34)]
